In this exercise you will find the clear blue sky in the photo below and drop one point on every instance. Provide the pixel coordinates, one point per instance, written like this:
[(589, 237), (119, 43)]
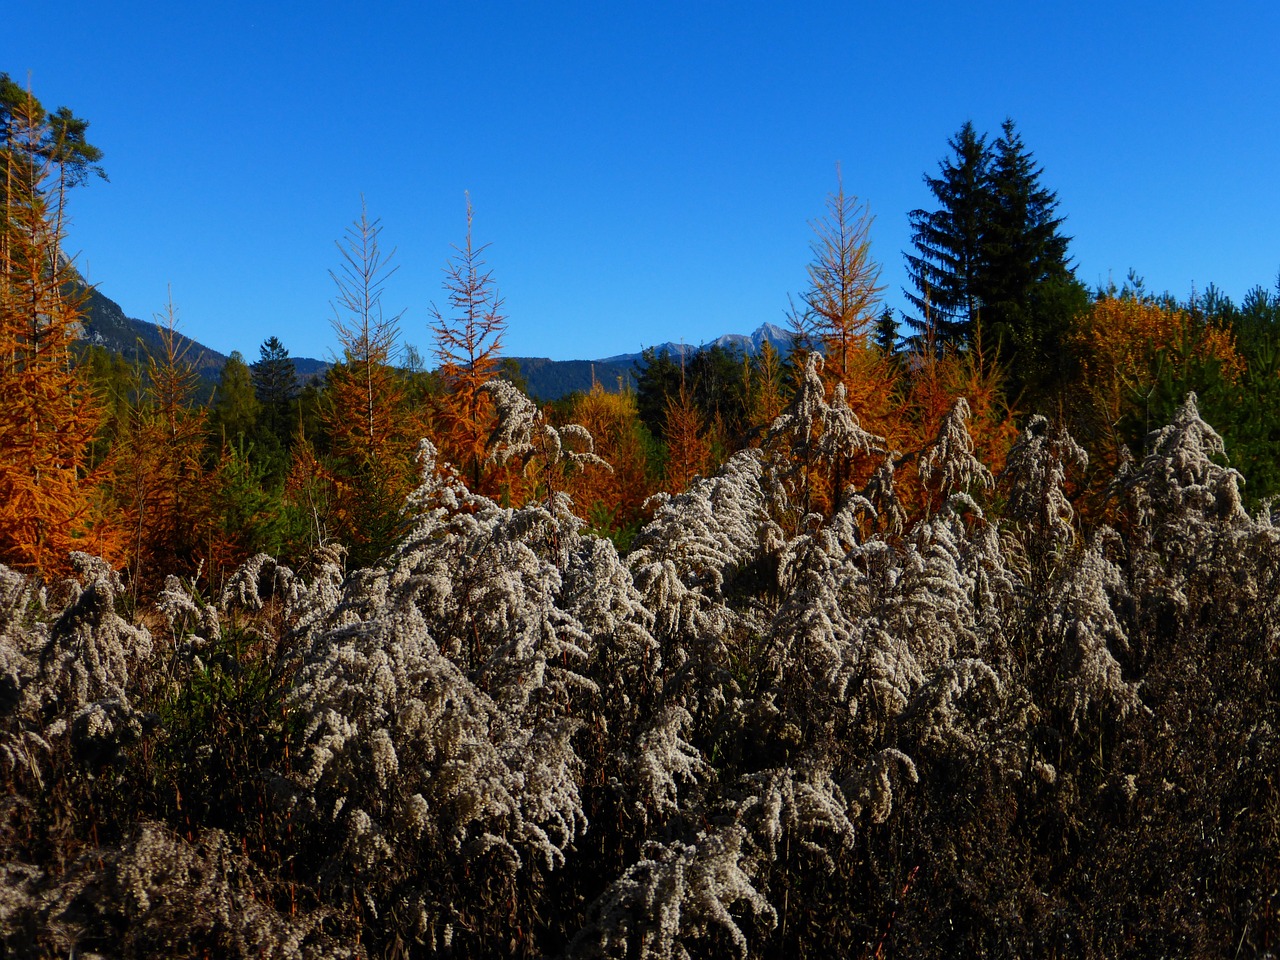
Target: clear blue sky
[(644, 171)]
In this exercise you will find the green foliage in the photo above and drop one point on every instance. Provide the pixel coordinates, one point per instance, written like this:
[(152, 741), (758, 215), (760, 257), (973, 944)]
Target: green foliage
[(235, 407), (603, 520), (712, 375), (225, 726), (115, 382), (993, 256), (63, 140), (1028, 293), (947, 265), (247, 503), (886, 332), (275, 385), (657, 378), (1246, 411)]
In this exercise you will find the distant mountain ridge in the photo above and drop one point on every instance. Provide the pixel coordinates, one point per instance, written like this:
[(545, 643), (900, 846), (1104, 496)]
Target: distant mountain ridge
[(749, 344), (106, 324), (548, 379)]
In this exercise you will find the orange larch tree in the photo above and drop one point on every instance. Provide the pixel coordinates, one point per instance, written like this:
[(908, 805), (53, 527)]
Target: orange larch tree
[(48, 415), (765, 396), (1121, 344), (363, 389), (158, 477), (614, 499), (371, 427), (935, 382), (688, 442), (839, 433), (468, 338), (844, 289)]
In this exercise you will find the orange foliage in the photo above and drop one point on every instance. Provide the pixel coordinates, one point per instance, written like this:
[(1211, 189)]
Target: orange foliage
[(158, 479), (843, 291), (937, 383), (614, 423), (1119, 337), (48, 415), (467, 345), (310, 490), (365, 413), (904, 404), (1123, 341), (932, 386), (373, 430), (871, 381), (688, 444), (765, 399)]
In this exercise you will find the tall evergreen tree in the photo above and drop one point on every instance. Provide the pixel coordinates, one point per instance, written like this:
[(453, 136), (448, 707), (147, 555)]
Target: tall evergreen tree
[(275, 383), (658, 377), (236, 407), (61, 141), (946, 268), (1027, 289), (886, 332), (993, 255)]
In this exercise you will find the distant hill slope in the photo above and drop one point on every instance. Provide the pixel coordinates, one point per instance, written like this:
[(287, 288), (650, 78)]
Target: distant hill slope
[(548, 379), (552, 379), (106, 324)]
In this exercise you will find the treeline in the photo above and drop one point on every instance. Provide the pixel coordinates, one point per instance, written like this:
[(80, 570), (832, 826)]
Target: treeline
[(763, 732), (897, 665), (133, 464)]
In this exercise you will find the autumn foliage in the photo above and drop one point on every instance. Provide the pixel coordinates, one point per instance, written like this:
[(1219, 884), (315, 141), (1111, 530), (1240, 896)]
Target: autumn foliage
[(1126, 343), (48, 416), (371, 428), (840, 652), (468, 332), (614, 498)]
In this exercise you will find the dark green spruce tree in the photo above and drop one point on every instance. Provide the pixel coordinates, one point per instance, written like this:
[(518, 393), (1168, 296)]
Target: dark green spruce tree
[(946, 267), (992, 260), (275, 383), (658, 376), (886, 332), (1027, 289)]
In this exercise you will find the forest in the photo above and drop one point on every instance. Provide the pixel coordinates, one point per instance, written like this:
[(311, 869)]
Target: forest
[(951, 632)]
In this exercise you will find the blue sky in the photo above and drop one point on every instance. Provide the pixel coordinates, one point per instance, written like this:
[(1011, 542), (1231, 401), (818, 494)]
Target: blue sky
[(643, 172)]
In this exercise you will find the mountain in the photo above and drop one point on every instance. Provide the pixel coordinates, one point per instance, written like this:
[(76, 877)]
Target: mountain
[(749, 344), (552, 379), (547, 379), (105, 324)]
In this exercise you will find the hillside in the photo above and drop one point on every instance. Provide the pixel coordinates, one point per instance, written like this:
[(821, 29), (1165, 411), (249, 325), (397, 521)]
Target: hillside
[(548, 379), (552, 379), (106, 324)]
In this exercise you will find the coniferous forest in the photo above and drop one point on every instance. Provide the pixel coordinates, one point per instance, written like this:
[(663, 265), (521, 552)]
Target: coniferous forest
[(948, 633)]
